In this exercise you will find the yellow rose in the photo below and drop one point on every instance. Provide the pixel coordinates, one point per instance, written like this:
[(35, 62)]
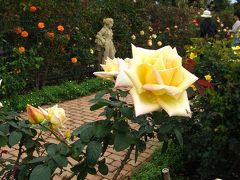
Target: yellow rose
[(56, 116), (110, 69), (114, 69), (159, 81)]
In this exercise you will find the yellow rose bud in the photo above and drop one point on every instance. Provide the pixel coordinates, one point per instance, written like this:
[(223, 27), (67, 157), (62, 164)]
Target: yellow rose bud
[(149, 42), (56, 116), (141, 32), (67, 134), (159, 43), (192, 55), (91, 51), (35, 116), (154, 36), (133, 37), (208, 77), (193, 87), (150, 28)]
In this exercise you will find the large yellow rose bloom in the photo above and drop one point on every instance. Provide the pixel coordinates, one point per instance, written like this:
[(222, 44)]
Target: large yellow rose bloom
[(159, 81)]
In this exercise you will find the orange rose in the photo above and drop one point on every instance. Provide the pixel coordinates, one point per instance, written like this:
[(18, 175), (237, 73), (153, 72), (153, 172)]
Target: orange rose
[(24, 34), (41, 25), (18, 30), (50, 35), (60, 28), (21, 49), (32, 8), (74, 60)]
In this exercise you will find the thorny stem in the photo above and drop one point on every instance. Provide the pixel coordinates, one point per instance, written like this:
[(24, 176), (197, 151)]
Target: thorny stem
[(124, 161), (18, 159), (56, 135)]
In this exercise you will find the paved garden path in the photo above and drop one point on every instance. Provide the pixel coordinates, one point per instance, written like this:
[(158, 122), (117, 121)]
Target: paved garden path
[(78, 113)]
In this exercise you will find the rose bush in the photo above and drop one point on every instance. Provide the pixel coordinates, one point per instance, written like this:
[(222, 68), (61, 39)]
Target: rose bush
[(87, 144)]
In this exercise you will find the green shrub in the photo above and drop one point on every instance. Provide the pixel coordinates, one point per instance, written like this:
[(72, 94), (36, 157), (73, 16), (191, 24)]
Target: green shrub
[(211, 137), (55, 94), (151, 170)]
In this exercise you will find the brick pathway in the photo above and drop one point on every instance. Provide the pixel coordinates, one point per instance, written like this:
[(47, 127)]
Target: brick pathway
[(78, 113)]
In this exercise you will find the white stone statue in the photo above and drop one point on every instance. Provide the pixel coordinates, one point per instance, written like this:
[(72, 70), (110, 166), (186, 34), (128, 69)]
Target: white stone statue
[(105, 46)]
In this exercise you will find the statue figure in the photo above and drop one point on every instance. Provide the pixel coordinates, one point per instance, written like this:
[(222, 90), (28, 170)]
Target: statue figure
[(105, 46)]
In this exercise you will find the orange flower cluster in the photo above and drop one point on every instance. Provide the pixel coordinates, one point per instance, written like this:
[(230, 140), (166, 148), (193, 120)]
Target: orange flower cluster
[(74, 60), (21, 49), (24, 34), (60, 28), (41, 25), (18, 30), (33, 8)]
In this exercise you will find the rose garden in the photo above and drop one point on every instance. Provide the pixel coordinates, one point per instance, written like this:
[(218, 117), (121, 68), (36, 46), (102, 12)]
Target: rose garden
[(167, 106)]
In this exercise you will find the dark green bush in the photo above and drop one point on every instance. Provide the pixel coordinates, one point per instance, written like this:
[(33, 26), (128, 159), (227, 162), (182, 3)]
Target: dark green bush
[(211, 137)]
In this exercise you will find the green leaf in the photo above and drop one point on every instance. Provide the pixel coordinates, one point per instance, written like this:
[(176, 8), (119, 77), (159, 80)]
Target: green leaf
[(98, 96), (13, 124), (179, 136), (127, 112), (141, 146), (148, 129), (60, 160), (3, 141), (38, 159), (82, 175), (123, 93), (14, 138), (4, 128), (164, 147), (109, 112), (122, 141), (85, 131), (93, 151), (77, 148), (165, 129), (99, 104), (121, 126), (63, 149), (40, 172), (103, 168), (102, 128), (92, 171), (52, 149)]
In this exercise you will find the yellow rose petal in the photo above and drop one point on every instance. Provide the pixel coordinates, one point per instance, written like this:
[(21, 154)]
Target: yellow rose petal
[(188, 80), (144, 102), (175, 107)]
